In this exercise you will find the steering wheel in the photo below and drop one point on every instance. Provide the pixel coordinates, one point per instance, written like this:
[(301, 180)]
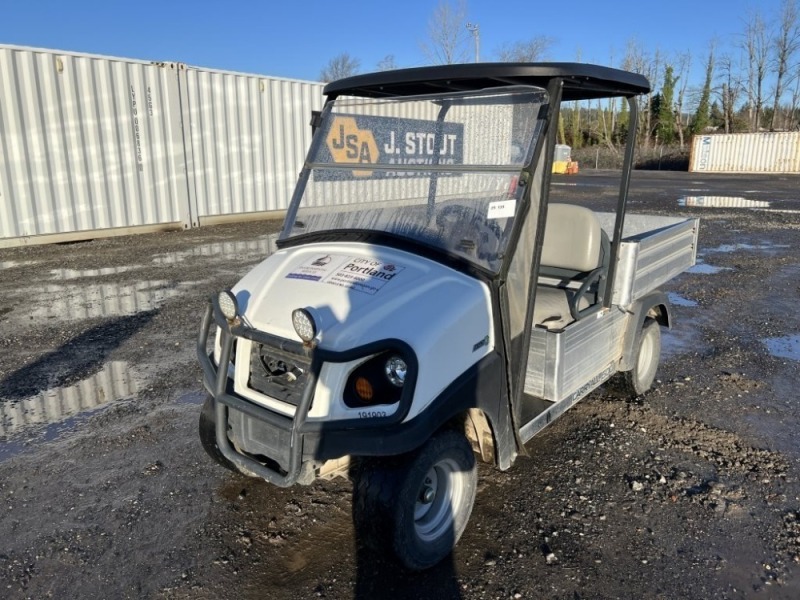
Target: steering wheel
[(471, 228)]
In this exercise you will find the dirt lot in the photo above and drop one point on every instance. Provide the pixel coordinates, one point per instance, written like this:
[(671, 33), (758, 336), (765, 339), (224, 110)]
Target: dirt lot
[(691, 492)]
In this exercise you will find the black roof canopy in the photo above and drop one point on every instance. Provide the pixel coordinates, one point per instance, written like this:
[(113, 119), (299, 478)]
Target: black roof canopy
[(581, 81)]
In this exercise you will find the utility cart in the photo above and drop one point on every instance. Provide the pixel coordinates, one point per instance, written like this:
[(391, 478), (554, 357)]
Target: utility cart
[(427, 305)]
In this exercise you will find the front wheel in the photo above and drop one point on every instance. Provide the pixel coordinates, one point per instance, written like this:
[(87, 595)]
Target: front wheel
[(640, 379), (419, 504)]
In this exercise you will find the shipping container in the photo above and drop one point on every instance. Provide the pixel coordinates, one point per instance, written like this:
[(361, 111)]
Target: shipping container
[(746, 153), (92, 146), (246, 141), (87, 143)]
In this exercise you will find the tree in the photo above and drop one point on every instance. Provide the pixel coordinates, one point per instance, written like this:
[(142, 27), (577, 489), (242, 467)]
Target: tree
[(531, 50), (447, 34), (684, 64), (785, 46), (638, 61), (793, 121), (715, 117), (387, 63), (731, 89), (341, 65), (700, 121), (756, 45), (666, 115)]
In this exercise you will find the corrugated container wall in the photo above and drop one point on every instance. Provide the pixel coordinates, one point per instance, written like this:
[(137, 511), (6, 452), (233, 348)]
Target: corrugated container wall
[(247, 139), (96, 145), (87, 143), (746, 153)]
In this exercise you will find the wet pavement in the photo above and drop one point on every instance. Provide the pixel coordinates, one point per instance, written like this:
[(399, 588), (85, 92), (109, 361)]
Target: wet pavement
[(689, 492)]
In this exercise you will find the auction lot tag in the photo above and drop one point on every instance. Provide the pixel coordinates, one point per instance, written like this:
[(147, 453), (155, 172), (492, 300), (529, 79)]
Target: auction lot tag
[(502, 209)]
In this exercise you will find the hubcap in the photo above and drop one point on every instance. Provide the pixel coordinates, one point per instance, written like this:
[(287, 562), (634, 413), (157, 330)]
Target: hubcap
[(440, 497)]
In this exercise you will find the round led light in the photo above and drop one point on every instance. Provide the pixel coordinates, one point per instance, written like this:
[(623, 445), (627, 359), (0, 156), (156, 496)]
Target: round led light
[(304, 324), (228, 305), (395, 370)]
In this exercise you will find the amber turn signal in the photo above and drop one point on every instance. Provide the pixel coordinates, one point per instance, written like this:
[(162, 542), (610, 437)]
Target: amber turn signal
[(364, 389)]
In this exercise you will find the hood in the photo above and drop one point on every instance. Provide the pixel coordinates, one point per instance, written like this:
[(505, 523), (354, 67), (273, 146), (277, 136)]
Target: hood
[(360, 293)]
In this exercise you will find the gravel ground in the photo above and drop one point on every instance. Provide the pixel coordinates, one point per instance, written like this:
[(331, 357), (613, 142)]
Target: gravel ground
[(689, 492)]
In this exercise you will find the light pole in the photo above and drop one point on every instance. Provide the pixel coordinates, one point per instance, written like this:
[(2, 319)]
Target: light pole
[(473, 29)]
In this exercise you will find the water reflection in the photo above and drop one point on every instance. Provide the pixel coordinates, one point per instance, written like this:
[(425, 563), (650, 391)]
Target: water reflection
[(67, 274), (244, 250), (75, 302), (702, 268), (787, 346), (721, 202), (113, 382), (686, 339), (727, 248), (679, 300), (10, 264)]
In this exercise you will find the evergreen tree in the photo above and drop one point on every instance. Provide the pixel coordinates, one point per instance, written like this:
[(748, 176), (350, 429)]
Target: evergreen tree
[(666, 112), (716, 116), (700, 121)]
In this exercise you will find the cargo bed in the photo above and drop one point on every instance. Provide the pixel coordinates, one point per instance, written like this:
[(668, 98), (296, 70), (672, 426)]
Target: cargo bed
[(565, 365)]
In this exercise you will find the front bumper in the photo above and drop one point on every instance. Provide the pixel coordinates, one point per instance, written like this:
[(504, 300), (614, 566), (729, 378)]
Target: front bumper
[(294, 447)]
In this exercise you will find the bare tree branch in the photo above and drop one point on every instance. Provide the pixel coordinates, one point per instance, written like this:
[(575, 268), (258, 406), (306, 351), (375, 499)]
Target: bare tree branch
[(340, 66), (387, 63), (447, 34), (756, 45), (785, 46), (531, 50)]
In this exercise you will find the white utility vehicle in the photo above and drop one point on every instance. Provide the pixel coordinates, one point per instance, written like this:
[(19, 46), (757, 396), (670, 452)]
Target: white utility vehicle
[(427, 305)]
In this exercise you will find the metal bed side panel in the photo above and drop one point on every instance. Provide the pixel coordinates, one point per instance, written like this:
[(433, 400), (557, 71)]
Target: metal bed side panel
[(561, 363)]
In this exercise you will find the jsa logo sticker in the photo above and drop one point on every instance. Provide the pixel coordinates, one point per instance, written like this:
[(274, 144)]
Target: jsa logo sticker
[(349, 144)]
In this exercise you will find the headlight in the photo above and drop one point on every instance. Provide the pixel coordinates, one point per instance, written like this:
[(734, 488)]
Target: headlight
[(228, 305), (396, 370), (379, 380), (304, 324)]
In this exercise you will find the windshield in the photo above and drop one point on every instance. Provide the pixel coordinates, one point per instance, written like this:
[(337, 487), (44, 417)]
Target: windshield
[(438, 170)]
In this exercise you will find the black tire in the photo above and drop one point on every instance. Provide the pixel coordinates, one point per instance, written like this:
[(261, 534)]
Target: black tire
[(639, 380), (208, 434), (418, 505)]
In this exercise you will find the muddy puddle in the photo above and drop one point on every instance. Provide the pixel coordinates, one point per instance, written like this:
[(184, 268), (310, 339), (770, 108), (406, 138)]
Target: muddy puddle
[(721, 202), (55, 412), (71, 302), (678, 300), (744, 247), (10, 264), (250, 250), (684, 338), (787, 346), (702, 268), (194, 397), (70, 274)]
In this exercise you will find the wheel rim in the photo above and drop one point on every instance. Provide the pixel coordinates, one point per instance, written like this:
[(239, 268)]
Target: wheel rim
[(645, 355), (439, 499)]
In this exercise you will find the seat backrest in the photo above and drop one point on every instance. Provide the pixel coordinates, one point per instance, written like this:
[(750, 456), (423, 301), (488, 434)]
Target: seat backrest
[(572, 239)]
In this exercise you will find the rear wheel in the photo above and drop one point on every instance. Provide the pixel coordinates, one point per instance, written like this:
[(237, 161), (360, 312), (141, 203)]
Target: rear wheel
[(418, 505), (640, 379), (208, 434)]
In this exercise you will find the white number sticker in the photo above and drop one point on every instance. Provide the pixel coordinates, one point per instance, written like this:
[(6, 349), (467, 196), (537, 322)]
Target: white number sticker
[(502, 209)]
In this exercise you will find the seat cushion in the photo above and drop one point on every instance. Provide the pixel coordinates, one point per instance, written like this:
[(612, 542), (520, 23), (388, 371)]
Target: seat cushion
[(551, 308), (572, 238)]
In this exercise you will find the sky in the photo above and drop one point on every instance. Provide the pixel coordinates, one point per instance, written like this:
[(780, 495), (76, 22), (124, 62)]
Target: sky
[(297, 39)]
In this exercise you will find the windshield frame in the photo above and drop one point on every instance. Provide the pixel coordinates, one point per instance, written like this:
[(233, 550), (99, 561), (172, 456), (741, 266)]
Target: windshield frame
[(521, 171)]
